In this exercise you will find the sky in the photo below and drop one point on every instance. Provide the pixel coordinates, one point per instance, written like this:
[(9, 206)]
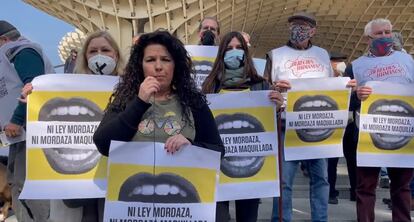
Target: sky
[(37, 26)]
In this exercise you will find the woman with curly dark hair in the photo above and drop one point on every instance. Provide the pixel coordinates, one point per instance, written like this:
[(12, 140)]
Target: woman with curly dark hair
[(234, 70), (157, 99)]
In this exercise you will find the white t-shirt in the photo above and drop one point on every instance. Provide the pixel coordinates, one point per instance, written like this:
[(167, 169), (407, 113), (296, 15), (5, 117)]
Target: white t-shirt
[(289, 63), (397, 67)]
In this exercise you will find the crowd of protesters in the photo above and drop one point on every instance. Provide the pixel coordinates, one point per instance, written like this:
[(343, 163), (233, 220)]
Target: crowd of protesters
[(157, 77)]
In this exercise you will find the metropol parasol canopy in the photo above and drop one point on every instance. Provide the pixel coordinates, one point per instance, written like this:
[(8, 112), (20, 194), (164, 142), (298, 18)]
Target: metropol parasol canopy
[(340, 23)]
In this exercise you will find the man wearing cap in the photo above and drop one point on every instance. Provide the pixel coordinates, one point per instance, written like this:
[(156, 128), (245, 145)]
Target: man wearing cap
[(399, 68), (20, 62), (279, 70), (209, 31)]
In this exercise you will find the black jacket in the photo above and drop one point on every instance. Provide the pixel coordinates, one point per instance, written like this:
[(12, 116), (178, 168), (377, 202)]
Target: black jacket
[(122, 126)]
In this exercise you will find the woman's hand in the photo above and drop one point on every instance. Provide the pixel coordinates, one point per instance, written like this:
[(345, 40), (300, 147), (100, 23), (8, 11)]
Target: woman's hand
[(26, 90), (282, 85), (352, 84), (174, 143), (277, 98), (148, 88), (363, 92)]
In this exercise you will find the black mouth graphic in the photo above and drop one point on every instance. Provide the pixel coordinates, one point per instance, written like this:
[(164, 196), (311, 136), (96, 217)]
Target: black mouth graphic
[(396, 108), (66, 160), (314, 103), (202, 67), (239, 123), (161, 188)]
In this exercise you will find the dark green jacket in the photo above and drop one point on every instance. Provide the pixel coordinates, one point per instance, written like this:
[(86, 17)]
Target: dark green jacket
[(28, 64)]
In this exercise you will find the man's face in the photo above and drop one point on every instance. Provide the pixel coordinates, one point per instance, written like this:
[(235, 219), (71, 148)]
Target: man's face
[(209, 24), (301, 32), (304, 24), (380, 31), (74, 55)]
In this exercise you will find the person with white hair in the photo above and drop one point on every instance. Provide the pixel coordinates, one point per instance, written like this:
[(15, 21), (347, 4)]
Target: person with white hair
[(381, 56)]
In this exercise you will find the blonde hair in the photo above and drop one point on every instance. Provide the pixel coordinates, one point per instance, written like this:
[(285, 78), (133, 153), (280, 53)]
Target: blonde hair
[(81, 65)]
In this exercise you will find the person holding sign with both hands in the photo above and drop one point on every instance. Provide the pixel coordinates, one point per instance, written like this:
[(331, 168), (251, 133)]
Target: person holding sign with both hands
[(284, 64), (233, 70), (380, 57), (157, 100)]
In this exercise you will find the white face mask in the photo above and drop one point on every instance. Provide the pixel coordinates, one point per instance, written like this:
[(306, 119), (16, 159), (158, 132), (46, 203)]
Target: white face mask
[(340, 67), (101, 64)]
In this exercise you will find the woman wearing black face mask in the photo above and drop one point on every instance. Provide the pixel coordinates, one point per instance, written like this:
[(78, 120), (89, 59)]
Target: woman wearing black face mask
[(234, 70)]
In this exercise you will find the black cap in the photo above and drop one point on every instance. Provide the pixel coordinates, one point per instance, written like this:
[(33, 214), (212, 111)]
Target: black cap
[(303, 16), (5, 27), (337, 55)]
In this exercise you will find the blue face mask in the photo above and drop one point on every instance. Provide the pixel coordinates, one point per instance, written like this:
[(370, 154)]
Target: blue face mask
[(233, 59)]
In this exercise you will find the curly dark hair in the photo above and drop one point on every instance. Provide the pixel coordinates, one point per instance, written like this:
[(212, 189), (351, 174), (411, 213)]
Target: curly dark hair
[(182, 85), (215, 78)]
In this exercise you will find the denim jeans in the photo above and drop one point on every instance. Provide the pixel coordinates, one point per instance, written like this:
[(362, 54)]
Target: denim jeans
[(318, 192)]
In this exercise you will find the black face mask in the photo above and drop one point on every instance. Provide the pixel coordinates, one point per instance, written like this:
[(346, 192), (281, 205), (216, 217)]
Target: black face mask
[(208, 38)]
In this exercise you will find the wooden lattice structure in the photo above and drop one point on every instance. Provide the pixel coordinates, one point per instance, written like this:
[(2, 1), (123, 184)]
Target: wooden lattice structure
[(340, 22)]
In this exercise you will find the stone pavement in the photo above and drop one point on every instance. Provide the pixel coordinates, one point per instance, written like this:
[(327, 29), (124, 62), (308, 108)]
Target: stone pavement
[(344, 211)]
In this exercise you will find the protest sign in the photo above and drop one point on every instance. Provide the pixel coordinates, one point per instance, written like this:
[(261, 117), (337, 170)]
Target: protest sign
[(247, 125), (316, 116), (386, 126), (63, 113), (145, 183)]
